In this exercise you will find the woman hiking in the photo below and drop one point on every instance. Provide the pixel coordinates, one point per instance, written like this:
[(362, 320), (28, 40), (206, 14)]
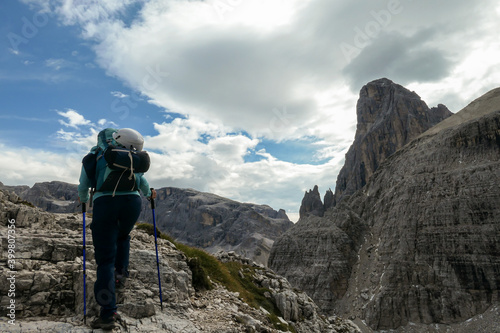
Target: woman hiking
[(117, 205)]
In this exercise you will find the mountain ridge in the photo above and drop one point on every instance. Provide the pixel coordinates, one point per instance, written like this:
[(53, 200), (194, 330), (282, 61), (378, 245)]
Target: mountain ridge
[(418, 244), (215, 223), (487, 103), (200, 219)]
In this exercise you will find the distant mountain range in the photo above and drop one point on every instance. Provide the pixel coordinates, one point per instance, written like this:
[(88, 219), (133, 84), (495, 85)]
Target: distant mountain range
[(195, 218), (214, 223), (54, 197)]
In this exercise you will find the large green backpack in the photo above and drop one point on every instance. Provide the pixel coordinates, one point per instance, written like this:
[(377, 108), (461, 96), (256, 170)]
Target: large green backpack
[(111, 167)]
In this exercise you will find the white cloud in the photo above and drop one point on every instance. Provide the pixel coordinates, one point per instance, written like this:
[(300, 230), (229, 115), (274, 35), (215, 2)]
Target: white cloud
[(42, 5), (105, 123), (38, 166), (77, 141), (119, 94), (273, 70), (85, 12), (200, 155), (238, 63), (57, 64), (208, 68), (82, 134), (74, 119), (231, 149)]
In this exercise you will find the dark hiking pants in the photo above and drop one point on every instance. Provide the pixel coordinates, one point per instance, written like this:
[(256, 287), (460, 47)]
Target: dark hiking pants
[(113, 219)]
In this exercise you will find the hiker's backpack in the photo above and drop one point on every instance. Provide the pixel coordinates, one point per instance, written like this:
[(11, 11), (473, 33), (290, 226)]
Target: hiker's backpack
[(113, 168)]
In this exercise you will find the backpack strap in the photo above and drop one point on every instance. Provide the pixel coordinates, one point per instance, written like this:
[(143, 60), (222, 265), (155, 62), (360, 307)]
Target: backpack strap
[(131, 164)]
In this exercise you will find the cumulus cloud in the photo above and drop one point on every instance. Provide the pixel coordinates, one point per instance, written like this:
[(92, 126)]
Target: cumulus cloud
[(38, 166), (400, 58), (74, 119), (225, 71), (411, 50), (193, 153), (274, 70), (235, 65), (189, 152), (80, 133)]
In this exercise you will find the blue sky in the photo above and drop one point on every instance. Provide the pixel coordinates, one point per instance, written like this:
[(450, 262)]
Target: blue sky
[(251, 100), (53, 70)]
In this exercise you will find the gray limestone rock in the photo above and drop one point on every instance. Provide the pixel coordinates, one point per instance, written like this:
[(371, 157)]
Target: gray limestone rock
[(214, 223), (311, 204), (55, 196), (198, 219), (389, 116), (418, 244), (48, 283), (329, 199)]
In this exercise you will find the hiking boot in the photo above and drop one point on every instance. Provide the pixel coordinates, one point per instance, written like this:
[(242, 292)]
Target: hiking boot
[(120, 281), (106, 324)]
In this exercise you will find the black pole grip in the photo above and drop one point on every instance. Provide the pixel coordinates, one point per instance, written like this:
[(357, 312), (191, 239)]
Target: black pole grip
[(152, 200), (84, 207)]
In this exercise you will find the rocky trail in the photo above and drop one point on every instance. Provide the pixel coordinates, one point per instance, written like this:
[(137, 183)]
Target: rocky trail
[(49, 284)]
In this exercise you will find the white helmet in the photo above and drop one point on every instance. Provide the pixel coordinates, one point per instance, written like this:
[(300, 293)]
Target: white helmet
[(129, 138)]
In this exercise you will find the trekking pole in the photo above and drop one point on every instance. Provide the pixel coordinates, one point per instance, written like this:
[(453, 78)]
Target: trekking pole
[(84, 210), (156, 245)]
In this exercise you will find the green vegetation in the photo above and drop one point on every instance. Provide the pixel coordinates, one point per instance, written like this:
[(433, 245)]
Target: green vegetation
[(27, 203), (253, 295), (200, 278), (200, 262), (234, 276)]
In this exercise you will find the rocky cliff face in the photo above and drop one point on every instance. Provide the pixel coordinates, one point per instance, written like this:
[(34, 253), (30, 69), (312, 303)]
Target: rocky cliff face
[(312, 204), (389, 116), (215, 223), (46, 279), (419, 242), (55, 196)]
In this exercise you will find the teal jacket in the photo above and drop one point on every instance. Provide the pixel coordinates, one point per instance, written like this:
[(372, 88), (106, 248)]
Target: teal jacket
[(104, 139), (84, 186)]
